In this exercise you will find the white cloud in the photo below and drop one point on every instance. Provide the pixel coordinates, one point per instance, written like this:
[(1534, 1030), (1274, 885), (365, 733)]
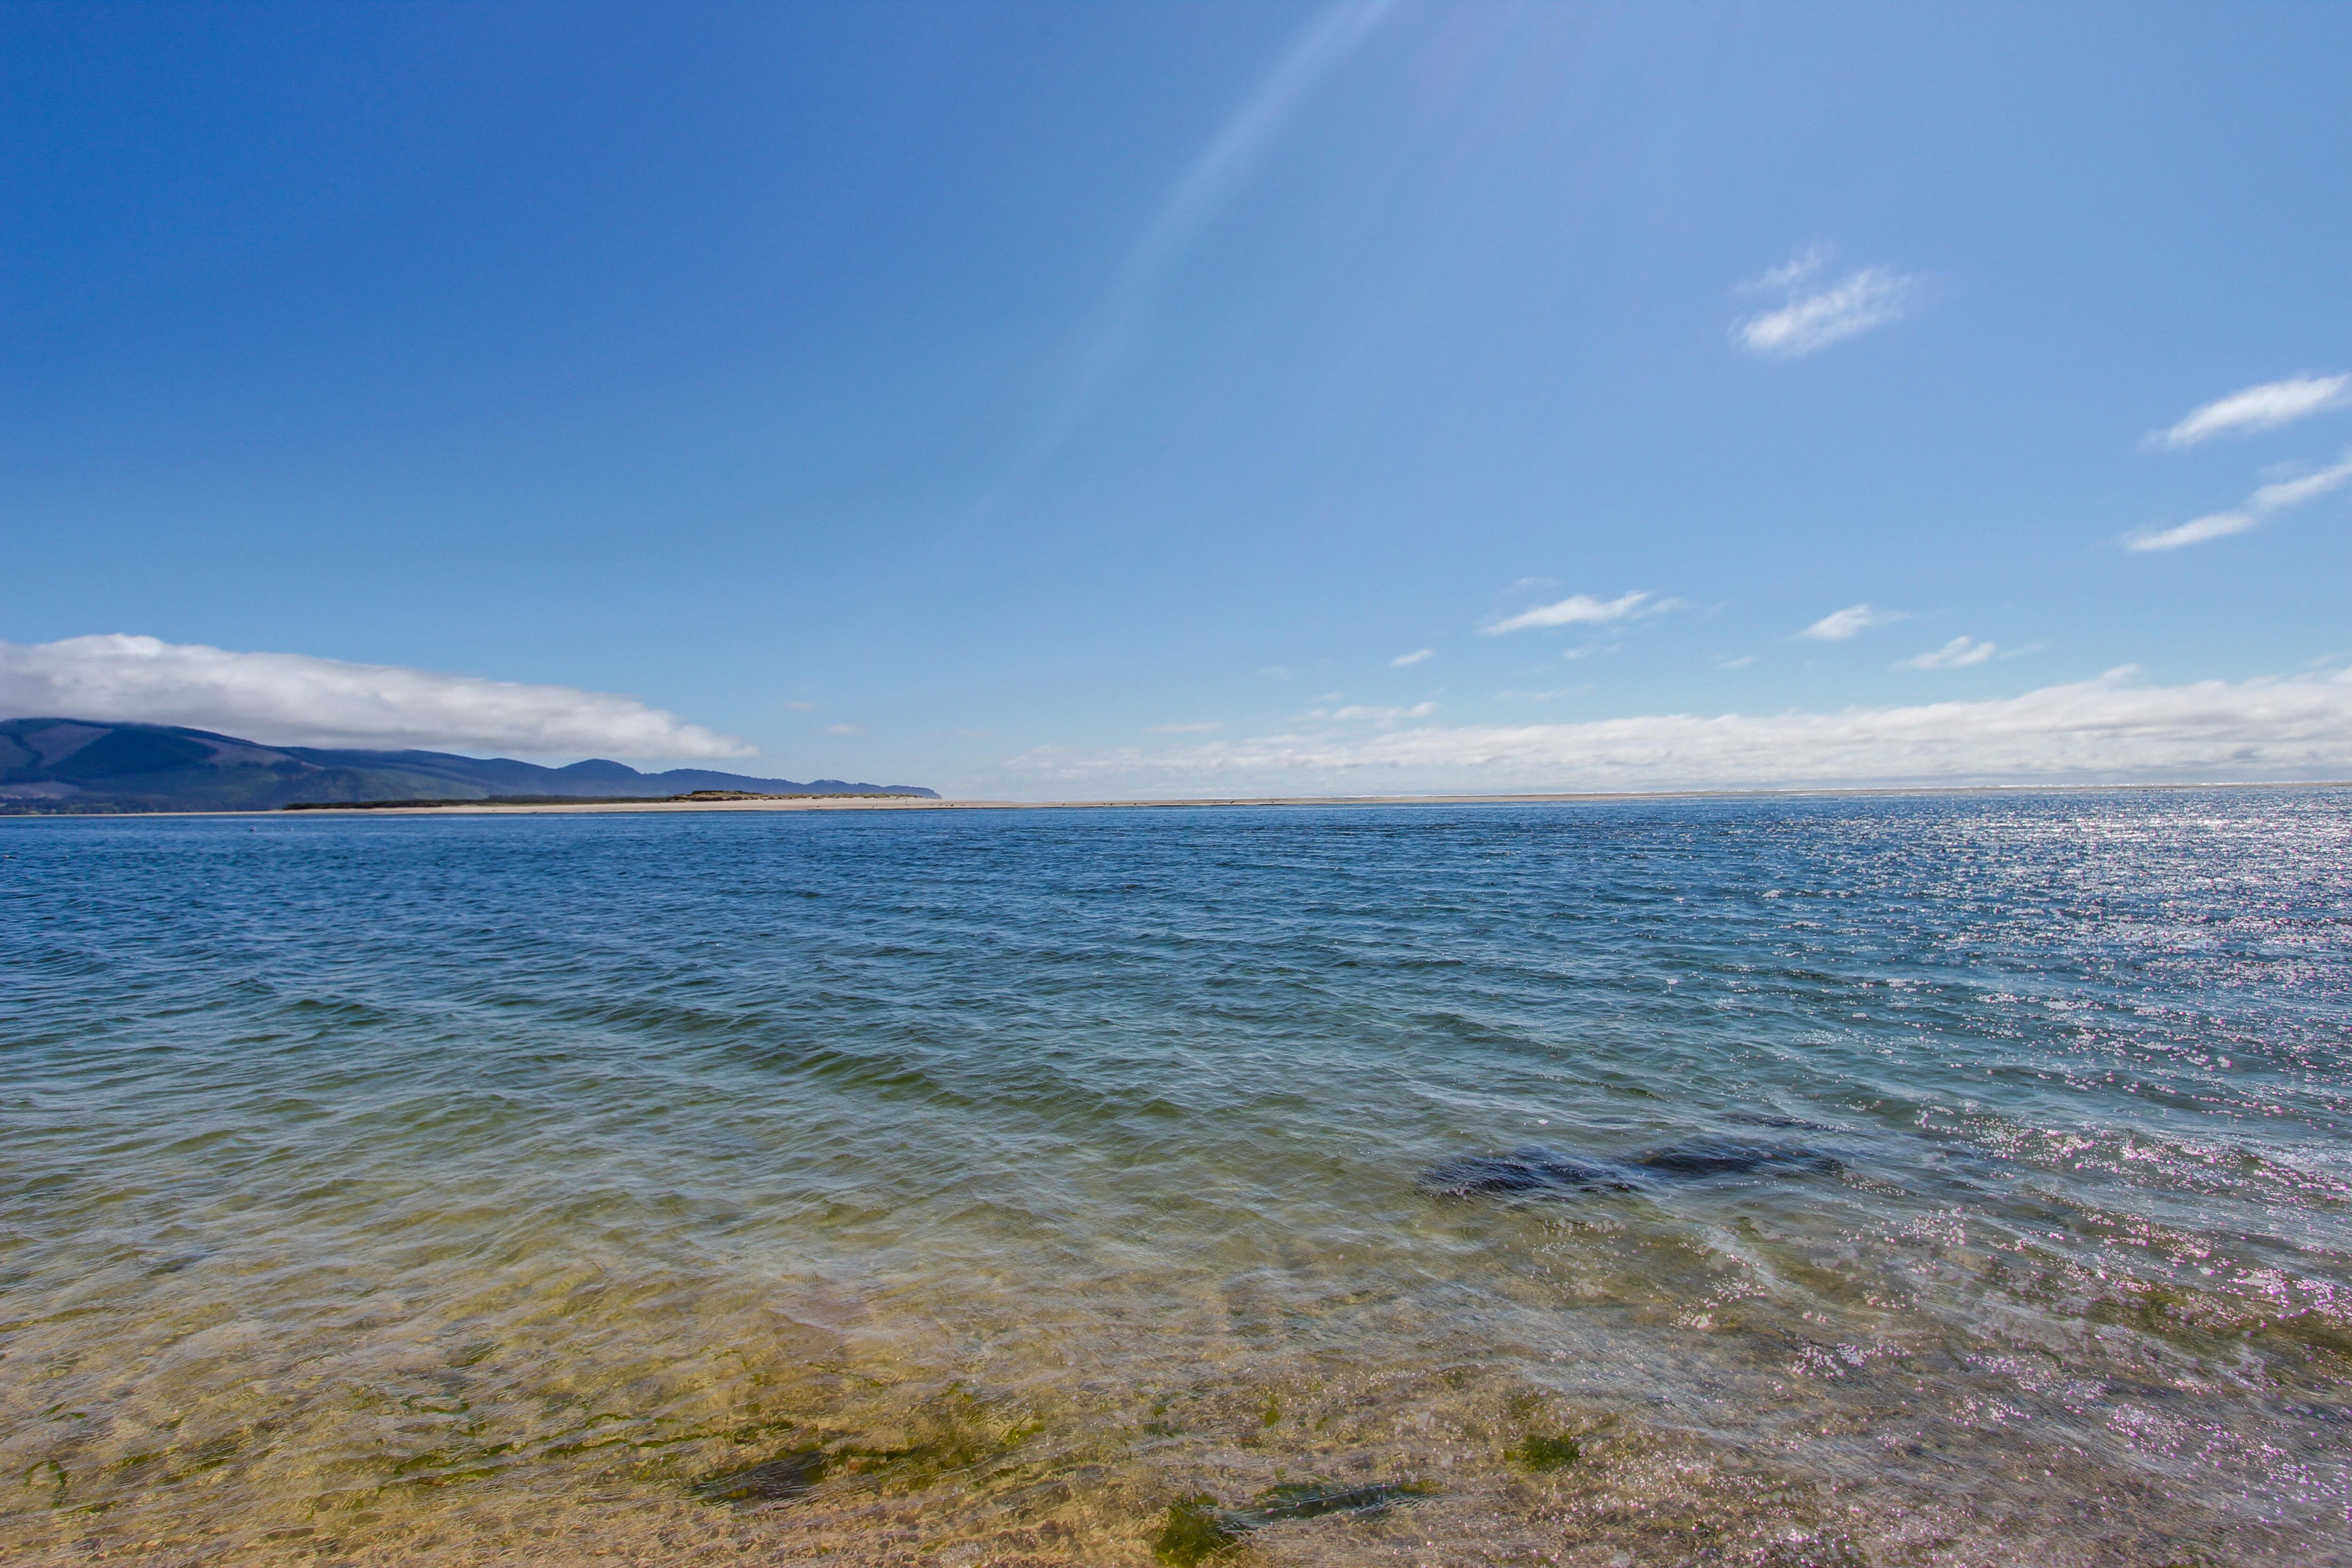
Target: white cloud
[(1742, 662), (1404, 659), (797, 707), (1524, 583), (292, 699), (1958, 654), (2106, 729), (1852, 621), (2282, 493), (2276, 496), (1795, 270), (2213, 525), (2263, 408), (844, 729), (1860, 300), (1359, 710), (1581, 609), (1202, 728)]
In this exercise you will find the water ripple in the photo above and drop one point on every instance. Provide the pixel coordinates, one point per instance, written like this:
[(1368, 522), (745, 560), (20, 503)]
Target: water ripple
[(477, 1186)]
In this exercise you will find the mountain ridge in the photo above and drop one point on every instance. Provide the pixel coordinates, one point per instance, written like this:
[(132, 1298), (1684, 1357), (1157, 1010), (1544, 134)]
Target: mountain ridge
[(80, 766)]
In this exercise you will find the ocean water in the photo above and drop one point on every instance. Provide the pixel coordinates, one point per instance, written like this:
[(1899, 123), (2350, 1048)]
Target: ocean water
[(975, 1188)]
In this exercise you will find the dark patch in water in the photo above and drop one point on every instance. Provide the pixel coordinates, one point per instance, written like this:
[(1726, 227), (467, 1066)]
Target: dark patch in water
[(1194, 1533), (1732, 1156), (1312, 1499), (957, 1439), (1759, 1119), (790, 1475), (1197, 1529), (1542, 1452), (1530, 1168), (1535, 1170)]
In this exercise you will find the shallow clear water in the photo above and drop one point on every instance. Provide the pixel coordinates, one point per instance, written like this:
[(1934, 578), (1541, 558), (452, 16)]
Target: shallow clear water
[(466, 1189)]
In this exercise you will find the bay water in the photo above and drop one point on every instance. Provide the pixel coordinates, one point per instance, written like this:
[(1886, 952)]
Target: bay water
[(1021, 1188)]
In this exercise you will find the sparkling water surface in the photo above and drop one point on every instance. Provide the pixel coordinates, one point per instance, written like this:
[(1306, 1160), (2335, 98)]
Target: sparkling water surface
[(479, 1189)]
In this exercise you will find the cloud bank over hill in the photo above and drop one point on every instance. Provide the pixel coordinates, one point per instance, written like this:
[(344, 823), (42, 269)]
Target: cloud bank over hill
[(293, 700), (2106, 730)]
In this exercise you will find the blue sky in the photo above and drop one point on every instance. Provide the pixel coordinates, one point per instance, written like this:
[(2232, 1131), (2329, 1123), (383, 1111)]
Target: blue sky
[(1075, 399)]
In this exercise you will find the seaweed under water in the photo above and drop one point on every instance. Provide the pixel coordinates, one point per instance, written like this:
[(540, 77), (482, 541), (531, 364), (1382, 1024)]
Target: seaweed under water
[(1197, 1528)]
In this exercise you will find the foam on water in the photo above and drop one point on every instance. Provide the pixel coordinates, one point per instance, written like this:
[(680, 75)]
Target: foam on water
[(996, 1187)]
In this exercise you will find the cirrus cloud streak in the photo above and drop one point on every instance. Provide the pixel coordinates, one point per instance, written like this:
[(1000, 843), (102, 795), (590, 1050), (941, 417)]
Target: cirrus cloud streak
[(294, 699), (2263, 408), (2276, 496), (1870, 297), (1854, 619), (1583, 609), (1958, 654)]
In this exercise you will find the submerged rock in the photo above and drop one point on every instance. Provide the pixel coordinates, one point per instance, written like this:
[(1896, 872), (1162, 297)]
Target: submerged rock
[(1536, 1170)]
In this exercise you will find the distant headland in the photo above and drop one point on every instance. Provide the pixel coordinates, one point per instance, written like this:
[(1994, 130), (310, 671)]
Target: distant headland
[(85, 766)]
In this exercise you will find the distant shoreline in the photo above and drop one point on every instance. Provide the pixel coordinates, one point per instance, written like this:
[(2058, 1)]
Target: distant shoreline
[(917, 803)]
